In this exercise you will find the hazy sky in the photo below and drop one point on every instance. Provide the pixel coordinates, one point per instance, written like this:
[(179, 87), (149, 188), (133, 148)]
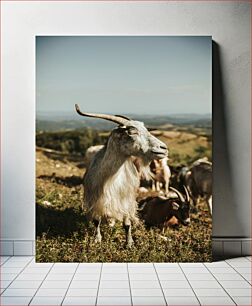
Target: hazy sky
[(142, 75)]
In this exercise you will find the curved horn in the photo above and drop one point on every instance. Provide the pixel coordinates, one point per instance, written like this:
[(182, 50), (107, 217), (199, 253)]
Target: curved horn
[(118, 120), (178, 194), (124, 117), (187, 194)]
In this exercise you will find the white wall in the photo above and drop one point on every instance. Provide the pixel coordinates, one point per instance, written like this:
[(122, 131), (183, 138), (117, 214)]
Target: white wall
[(229, 25)]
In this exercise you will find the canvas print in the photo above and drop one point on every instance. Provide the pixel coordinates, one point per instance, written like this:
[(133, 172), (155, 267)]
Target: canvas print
[(123, 148)]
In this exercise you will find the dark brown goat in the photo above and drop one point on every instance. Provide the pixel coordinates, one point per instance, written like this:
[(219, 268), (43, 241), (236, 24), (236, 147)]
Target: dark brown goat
[(156, 211)]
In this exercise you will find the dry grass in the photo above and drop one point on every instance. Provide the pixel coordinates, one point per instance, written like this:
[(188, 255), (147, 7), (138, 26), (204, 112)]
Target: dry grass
[(63, 234)]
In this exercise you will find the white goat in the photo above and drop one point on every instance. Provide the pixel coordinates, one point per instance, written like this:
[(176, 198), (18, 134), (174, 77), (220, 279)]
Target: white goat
[(111, 181)]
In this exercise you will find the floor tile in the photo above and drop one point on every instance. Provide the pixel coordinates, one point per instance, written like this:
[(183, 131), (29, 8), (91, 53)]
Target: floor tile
[(29, 276), (220, 300), (64, 265), (114, 292), (95, 264), (174, 284), (103, 300), (119, 269), (19, 292), (32, 270), (114, 284), (63, 269), (141, 264), (84, 284), (82, 292), (243, 300), (243, 270), (33, 264), (190, 300), (235, 284), (204, 284), (146, 292), (248, 277), (55, 284), (169, 270), (178, 292), (140, 270), (191, 264), (171, 276), (21, 258), (8, 276), (220, 270), (25, 284), (220, 264), (210, 292), (59, 277), (5, 283), (119, 276), (51, 292), (80, 300), (241, 264), (3, 259), (145, 284), (228, 276), (166, 264), (14, 264), (15, 300), (138, 276), (237, 259), (147, 300), (200, 276), (239, 291), (9, 270), (196, 270), (88, 270), (85, 276), (47, 300)]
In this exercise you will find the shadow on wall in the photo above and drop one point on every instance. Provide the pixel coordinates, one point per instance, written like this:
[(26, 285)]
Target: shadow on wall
[(225, 214)]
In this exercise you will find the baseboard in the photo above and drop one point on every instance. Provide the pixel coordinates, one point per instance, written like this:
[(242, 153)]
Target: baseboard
[(225, 247), (17, 247), (222, 247)]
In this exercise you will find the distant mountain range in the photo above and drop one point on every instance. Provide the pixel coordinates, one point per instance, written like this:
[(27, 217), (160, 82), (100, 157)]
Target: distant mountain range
[(58, 122)]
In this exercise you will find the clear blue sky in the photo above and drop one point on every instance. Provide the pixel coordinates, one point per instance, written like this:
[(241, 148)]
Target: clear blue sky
[(141, 74)]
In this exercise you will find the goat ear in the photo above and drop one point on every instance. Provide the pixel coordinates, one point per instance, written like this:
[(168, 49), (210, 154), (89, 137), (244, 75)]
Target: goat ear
[(132, 130), (175, 205)]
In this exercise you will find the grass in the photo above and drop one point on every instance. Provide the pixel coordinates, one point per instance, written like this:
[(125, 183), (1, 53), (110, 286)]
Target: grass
[(64, 235)]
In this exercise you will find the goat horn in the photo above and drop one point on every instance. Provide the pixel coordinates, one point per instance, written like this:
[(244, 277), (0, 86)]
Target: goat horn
[(124, 117), (187, 194), (116, 119), (178, 194)]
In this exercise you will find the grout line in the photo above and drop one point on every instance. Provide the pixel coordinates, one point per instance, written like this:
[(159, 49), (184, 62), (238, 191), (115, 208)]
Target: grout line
[(239, 272), (129, 284), (70, 283), (189, 283), (9, 257), (221, 285), (96, 300), (247, 258), (16, 276), (41, 283), (160, 283)]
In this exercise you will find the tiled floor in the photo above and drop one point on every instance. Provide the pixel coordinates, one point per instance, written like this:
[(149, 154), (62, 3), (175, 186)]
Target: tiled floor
[(24, 282)]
